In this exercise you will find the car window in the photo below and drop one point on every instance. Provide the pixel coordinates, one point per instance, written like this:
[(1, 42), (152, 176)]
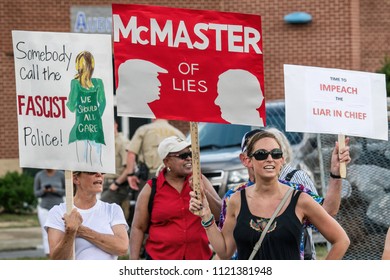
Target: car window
[(216, 136)]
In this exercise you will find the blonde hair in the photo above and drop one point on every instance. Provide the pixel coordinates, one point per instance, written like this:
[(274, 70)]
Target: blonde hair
[(256, 137), (85, 64), (284, 143)]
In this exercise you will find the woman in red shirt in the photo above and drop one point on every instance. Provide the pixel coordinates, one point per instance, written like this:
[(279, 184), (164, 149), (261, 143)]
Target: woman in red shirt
[(174, 232)]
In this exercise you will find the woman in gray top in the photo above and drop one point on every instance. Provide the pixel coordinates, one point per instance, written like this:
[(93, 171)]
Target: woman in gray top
[(49, 187)]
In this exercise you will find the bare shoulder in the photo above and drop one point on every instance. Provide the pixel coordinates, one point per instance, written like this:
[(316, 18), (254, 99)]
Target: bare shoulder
[(145, 193), (306, 200), (235, 200)]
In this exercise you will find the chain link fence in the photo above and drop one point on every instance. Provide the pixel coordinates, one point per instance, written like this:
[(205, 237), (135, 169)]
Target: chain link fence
[(365, 205)]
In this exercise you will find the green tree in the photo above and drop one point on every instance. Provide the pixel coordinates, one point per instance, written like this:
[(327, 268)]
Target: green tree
[(386, 70), (17, 193)]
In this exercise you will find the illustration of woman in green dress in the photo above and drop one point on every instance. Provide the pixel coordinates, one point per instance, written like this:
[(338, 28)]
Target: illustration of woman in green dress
[(87, 100)]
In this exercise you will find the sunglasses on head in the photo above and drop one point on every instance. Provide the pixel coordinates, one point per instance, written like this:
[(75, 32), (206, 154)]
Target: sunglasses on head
[(263, 154), (183, 155)]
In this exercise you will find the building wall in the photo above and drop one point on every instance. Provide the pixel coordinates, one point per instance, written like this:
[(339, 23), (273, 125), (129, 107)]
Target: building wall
[(346, 34)]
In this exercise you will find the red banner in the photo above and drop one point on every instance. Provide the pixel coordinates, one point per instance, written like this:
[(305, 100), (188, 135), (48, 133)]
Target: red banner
[(191, 65)]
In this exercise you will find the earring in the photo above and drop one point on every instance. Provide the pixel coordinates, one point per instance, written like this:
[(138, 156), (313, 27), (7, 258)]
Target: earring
[(168, 169)]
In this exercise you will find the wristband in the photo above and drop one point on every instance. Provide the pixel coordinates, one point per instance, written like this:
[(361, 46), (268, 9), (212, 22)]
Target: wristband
[(209, 222), (334, 176), (117, 184), (130, 174)]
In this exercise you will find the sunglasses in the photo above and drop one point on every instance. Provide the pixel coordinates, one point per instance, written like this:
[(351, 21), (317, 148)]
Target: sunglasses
[(263, 154), (183, 156), (93, 173)]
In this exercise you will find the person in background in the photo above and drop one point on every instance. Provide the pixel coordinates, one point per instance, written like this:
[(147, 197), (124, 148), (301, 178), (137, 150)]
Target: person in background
[(142, 156), (386, 250), (299, 180), (142, 150), (49, 188), (250, 209), (97, 229), (116, 188), (174, 232)]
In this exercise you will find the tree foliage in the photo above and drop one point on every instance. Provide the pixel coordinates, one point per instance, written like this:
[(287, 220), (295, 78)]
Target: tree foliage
[(17, 193), (386, 70)]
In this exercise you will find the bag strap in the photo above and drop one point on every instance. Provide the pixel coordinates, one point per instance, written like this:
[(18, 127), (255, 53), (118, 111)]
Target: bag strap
[(152, 194), (150, 203), (258, 243), (290, 175)]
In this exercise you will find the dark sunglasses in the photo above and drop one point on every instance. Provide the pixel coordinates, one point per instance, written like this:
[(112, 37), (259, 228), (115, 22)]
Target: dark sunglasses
[(93, 173), (263, 154), (183, 155)]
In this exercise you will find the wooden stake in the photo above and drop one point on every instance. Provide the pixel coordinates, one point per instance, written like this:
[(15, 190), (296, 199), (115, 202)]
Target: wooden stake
[(69, 197), (343, 166), (196, 173)]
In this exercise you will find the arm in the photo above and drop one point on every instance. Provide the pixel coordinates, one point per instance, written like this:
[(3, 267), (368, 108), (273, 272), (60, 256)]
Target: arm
[(122, 178), (140, 222), (101, 96), (134, 148), (62, 243), (59, 189), (213, 198), (130, 168), (333, 194), (38, 192), (386, 250), (114, 244), (327, 226), (222, 241), (71, 104)]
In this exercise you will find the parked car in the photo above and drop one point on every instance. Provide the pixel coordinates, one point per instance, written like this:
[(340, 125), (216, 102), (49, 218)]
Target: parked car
[(220, 146)]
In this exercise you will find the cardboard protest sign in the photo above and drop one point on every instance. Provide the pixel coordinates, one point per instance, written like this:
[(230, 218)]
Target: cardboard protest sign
[(334, 101), (64, 95), (191, 65)]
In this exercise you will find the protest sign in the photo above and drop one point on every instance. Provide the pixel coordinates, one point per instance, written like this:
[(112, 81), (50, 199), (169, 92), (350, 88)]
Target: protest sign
[(191, 65), (64, 100), (335, 101)]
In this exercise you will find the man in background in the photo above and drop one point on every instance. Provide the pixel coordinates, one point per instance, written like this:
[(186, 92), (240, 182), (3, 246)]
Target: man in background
[(142, 157), (116, 188)]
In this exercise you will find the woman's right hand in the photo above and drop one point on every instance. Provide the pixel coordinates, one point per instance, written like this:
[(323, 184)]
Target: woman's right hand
[(72, 221), (199, 207)]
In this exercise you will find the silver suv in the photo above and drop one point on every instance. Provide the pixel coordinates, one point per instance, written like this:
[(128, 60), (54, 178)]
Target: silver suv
[(220, 146)]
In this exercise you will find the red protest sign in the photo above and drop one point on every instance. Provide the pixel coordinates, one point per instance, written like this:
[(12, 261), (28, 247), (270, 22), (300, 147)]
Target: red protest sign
[(191, 65)]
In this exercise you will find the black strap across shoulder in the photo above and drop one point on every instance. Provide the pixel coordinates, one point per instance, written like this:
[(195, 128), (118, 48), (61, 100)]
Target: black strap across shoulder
[(290, 175), (152, 194)]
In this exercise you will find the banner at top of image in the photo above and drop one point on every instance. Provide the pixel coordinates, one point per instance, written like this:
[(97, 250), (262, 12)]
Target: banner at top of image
[(192, 65)]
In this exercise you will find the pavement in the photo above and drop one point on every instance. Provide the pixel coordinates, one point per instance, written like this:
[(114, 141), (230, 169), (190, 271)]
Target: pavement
[(21, 243)]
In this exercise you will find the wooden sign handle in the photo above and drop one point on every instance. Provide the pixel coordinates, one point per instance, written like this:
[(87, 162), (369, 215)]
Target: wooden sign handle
[(343, 167), (69, 198), (69, 191), (196, 173)]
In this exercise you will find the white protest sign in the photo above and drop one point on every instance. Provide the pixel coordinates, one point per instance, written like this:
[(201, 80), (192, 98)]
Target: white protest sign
[(64, 95), (334, 101)]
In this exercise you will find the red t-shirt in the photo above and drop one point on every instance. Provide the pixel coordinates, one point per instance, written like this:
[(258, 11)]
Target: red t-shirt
[(175, 233)]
